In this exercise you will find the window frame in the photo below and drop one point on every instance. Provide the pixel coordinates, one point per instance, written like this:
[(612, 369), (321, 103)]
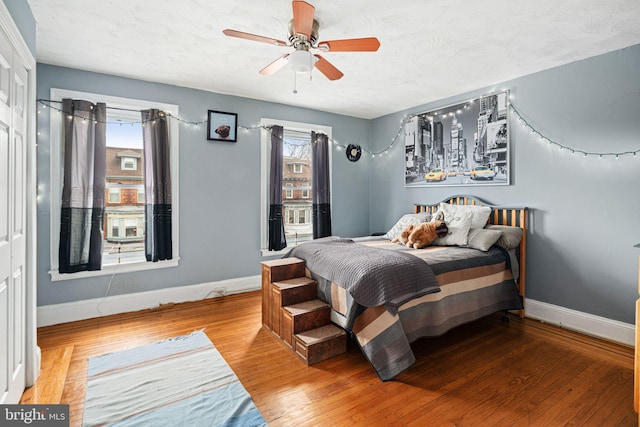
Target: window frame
[(123, 162), (265, 155), (114, 191), (56, 178)]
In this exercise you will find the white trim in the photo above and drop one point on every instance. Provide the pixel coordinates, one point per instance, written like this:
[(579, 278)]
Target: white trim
[(115, 269), (584, 323), (266, 253), (578, 321), (17, 42), (97, 307), (114, 191), (123, 163), (56, 178), (32, 351)]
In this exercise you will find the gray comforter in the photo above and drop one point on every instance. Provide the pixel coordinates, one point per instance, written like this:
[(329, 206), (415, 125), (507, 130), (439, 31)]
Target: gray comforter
[(372, 276)]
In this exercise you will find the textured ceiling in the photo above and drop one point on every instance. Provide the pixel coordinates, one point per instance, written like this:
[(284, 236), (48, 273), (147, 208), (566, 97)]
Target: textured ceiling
[(429, 50)]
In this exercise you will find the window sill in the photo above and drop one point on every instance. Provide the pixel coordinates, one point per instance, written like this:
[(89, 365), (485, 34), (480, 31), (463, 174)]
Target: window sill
[(267, 253), (114, 269)]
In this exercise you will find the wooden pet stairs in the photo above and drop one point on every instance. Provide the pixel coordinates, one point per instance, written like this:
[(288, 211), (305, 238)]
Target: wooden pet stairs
[(294, 314)]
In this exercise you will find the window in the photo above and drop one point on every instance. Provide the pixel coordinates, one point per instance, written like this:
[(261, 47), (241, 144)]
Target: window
[(296, 180), (131, 227), (114, 227), (124, 219), (114, 195), (129, 164)]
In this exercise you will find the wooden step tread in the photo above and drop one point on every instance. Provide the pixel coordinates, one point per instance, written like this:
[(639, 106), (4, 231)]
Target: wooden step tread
[(320, 344), (293, 283), (322, 333), (306, 307), (283, 261)]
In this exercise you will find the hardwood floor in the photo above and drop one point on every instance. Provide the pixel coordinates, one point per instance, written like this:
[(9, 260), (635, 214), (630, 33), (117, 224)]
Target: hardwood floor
[(486, 373)]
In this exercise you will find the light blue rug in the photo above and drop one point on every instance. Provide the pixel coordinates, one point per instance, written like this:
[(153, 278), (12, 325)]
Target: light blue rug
[(182, 381)]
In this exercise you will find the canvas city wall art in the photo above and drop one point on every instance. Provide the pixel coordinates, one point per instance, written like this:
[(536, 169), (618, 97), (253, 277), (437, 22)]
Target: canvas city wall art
[(465, 144)]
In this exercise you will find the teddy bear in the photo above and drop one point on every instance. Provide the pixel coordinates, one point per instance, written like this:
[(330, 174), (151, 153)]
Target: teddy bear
[(404, 234), (421, 235)]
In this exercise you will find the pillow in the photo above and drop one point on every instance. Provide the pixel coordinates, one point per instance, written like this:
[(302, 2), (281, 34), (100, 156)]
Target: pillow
[(480, 214), (511, 236), (407, 219), (459, 226), (483, 238)]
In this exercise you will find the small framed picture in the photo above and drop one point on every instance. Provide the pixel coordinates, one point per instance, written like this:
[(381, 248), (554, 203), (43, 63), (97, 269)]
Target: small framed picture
[(222, 126)]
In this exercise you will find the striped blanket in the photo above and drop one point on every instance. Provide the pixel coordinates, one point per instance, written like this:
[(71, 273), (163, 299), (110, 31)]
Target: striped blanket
[(473, 284), (372, 276)]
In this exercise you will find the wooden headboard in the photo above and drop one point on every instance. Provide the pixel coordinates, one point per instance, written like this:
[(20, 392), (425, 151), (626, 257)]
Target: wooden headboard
[(500, 215)]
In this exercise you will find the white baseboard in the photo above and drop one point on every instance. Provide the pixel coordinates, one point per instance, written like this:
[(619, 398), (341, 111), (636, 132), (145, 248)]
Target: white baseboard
[(585, 323), (87, 309), (578, 321)]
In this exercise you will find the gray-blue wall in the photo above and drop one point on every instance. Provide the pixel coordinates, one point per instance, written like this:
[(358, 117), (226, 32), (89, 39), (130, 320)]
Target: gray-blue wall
[(585, 212), (219, 186), (22, 16), (584, 218)]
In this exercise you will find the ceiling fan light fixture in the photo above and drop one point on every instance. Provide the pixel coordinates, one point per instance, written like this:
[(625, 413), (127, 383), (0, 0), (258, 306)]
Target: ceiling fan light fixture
[(301, 61), (303, 36)]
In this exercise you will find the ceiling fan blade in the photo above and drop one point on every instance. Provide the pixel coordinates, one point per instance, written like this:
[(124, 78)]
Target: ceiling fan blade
[(302, 18), (367, 44), (247, 36), (275, 65), (326, 68)]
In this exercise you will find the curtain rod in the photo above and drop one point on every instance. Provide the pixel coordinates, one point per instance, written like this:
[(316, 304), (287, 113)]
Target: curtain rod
[(110, 108)]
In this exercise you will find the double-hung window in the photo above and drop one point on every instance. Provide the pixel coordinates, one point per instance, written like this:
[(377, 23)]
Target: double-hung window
[(123, 236), (296, 181)]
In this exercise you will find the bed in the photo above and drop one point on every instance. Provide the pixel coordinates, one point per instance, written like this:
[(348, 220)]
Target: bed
[(388, 296)]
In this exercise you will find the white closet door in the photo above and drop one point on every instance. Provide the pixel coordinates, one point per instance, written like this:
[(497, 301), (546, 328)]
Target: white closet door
[(13, 181)]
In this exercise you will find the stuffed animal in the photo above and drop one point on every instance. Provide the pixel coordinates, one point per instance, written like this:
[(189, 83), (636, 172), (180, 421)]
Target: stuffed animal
[(421, 235), (404, 235)]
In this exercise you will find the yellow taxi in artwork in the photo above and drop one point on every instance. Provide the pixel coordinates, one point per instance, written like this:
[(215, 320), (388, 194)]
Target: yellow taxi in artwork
[(436, 174), (482, 172)]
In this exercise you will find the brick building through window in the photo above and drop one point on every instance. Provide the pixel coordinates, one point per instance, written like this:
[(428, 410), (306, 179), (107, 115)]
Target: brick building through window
[(124, 222)]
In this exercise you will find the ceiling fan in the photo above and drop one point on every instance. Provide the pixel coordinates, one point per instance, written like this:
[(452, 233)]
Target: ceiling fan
[(303, 36)]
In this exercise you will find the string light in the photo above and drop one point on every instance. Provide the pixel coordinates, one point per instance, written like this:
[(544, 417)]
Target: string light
[(46, 103), (542, 138), (561, 147)]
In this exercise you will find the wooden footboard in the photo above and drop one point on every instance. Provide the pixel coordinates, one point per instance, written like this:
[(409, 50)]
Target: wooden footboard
[(500, 215)]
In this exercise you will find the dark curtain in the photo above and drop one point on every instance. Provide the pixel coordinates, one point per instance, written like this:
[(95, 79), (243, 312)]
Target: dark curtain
[(83, 191), (157, 184), (320, 183), (277, 239)]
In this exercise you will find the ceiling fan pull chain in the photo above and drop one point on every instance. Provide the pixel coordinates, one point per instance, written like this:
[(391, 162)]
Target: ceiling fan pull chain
[(295, 79)]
